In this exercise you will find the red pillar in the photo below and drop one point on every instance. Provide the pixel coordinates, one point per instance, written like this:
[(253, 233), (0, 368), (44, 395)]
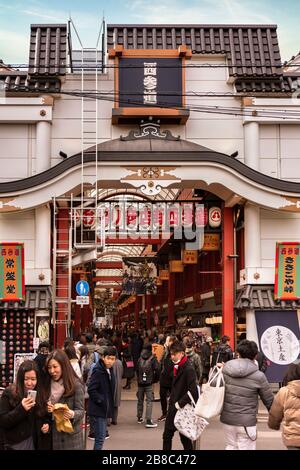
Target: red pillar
[(136, 312), (77, 317), (228, 275), (61, 278), (148, 310), (128, 313), (171, 299)]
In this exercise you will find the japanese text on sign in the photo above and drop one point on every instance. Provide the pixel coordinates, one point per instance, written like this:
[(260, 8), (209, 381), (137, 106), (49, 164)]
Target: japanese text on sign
[(287, 279), (11, 271)]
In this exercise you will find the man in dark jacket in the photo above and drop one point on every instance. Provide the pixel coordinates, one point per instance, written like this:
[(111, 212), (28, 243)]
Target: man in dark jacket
[(166, 377), (101, 394), (223, 352), (40, 359), (244, 383), (148, 371), (184, 381)]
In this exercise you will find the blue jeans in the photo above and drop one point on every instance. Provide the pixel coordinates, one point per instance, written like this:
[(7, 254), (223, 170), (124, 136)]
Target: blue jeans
[(100, 425)]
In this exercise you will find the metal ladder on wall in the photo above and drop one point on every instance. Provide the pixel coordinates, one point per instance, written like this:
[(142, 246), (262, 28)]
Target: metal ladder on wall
[(66, 229), (62, 267)]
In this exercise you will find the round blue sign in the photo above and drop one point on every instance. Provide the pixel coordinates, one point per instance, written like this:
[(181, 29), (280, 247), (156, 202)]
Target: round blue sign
[(82, 288)]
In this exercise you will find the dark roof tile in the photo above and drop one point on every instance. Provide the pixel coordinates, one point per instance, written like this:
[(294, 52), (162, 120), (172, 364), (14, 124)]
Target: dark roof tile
[(250, 49), (48, 49), (22, 82)]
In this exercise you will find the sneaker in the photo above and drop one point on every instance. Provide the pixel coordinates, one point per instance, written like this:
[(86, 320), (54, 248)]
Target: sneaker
[(91, 436), (107, 436), (162, 418), (140, 420), (150, 424)]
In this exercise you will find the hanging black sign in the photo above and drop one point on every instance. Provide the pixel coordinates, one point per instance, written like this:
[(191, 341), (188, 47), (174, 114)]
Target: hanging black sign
[(150, 82)]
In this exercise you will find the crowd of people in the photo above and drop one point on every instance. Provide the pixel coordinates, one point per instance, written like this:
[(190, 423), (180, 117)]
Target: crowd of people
[(62, 392)]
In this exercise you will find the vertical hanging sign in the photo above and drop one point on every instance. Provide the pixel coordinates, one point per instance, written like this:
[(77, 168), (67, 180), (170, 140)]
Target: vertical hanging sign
[(12, 286), (287, 271)]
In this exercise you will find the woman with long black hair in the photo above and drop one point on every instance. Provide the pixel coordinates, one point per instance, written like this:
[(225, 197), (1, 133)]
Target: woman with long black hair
[(64, 387), (24, 421)]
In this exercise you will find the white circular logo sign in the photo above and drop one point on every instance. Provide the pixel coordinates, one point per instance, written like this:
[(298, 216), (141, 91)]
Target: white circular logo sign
[(280, 345), (214, 216)]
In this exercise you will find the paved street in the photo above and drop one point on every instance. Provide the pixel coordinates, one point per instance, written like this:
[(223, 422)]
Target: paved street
[(129, 435)]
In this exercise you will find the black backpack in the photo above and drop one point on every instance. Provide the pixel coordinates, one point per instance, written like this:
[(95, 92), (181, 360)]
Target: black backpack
[(145, 371)]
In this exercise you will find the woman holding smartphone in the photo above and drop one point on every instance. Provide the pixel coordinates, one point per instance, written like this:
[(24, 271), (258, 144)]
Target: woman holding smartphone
[(24, 421), (63, 386)]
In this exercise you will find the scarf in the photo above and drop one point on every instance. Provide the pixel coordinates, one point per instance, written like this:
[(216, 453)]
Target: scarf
[(57, 391), (176, 366)]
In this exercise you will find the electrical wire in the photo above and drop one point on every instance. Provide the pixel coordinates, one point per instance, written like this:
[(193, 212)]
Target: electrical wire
[(181, 66)]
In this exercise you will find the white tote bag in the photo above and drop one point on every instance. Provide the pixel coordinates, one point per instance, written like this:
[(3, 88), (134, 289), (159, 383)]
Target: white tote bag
[(210, 402), (187, 423)]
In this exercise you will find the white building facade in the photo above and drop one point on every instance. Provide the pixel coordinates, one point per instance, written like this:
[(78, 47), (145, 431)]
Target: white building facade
[(237, 101)]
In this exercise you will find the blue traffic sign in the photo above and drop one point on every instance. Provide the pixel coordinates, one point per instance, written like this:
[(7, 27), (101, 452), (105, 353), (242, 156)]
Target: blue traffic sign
[(82, 288)]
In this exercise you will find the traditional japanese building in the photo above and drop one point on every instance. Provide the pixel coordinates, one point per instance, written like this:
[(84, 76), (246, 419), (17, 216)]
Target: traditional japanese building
[(162, 168)]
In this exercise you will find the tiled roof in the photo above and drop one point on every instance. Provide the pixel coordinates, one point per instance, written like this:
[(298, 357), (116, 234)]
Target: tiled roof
[(285, 84), (36, 298), (16, 81), (262, 297), (48, 49), (251, 50)]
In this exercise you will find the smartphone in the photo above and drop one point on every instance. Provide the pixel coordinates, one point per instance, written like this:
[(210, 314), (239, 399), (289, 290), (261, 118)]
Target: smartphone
[(32, 394)]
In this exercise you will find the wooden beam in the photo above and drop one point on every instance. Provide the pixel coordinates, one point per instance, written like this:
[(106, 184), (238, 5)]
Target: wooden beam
[(109, 265), (108, 278), (142, 240)]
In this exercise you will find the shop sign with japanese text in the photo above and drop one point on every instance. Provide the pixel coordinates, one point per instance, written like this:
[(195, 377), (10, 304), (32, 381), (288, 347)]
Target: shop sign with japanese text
[(12, 286), (150, 81), (287, 271)]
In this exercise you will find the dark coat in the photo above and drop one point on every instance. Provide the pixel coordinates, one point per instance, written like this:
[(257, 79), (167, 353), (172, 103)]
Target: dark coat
[(128, 372), (101, 391), (244, 383), (184, 382), (74, 440), (17, 424), (118, 373), (222, 353), (205, 357), (167, 366)]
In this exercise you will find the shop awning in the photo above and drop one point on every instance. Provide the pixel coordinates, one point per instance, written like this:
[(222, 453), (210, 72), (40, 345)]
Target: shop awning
[(36, 298), (262, 297)]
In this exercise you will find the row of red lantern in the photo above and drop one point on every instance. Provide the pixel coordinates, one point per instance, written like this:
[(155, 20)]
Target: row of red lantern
[(146, 216)]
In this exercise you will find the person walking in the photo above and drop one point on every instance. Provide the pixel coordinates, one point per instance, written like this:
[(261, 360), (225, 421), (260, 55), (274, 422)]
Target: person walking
[(166, 377), (41, 357), (101, 390), (184, 381), (63, 386), (148, 371), (24, 422), (128, 363), (222, 352), (286, 409), (206, 358), (194, 359), (244, 383), (118, 373)]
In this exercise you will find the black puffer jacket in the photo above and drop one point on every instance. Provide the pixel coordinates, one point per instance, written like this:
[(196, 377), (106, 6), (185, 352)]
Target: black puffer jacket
[(244, 383)]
